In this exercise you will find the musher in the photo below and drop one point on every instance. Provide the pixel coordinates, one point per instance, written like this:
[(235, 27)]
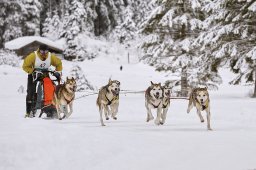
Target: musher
[(40, 59)]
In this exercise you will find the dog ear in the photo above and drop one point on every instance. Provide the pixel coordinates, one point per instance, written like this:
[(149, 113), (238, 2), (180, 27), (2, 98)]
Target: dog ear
[(109, 81), (73, 78), (159, 84), (67, 79), (152, 84)]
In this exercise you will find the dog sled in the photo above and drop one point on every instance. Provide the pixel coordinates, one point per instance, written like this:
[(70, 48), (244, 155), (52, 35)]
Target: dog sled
[(45, 82)]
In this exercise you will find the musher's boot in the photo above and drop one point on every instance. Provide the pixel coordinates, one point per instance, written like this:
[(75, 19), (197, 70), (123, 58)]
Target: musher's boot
[(26, 115), (32, 114)]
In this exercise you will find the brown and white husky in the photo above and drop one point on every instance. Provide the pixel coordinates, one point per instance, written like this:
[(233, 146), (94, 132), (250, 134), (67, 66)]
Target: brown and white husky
[(199, 97), (64, 97), (108, 100)]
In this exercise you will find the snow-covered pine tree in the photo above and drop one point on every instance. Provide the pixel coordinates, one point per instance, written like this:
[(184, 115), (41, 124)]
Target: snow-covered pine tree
[(170, 31), (87, 18), (229, 38), (30, 10), (10, 21), (133, 14), (108, 15), (81, 81), (3, 13), (72, 27), (90, 16), (50, 8), (8, 57), (52, 26)]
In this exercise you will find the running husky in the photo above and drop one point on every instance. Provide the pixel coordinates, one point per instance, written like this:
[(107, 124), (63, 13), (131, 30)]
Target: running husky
[(64, 97), (199, 97), (153, 100), (165, 102), (108, 100)]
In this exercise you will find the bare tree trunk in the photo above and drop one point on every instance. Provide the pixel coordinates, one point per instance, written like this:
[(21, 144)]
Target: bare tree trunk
[(184, 75), (254, 93), (184, 82)]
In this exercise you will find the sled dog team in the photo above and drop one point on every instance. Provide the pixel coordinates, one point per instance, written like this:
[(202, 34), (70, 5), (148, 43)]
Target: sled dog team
[(156, 97)]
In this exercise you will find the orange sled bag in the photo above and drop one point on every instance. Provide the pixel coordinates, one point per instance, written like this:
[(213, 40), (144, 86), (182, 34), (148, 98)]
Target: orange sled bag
[(49, 89)]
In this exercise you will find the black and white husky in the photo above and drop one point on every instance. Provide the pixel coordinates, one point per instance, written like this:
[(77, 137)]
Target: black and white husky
[(153, 100), (165, 103)]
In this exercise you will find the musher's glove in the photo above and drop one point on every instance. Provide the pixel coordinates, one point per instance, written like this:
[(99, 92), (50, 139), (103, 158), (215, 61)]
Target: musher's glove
[(57, 75)]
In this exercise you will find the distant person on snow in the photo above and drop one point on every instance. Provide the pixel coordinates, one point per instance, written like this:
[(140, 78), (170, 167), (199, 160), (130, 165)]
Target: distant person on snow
[(40, 59)]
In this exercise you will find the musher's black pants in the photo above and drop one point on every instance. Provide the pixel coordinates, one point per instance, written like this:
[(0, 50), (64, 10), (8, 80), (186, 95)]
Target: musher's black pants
[(31, 95)]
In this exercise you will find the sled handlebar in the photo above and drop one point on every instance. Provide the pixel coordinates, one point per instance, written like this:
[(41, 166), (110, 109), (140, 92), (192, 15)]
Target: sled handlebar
[(39, 73)]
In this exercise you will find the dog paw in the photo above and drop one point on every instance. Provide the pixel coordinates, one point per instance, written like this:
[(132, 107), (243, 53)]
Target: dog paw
[(67, 115), (107, 118), (149, 118), (60, 118), (115, 118), (103, 125), (157, 122), (202, 120), (209, 128), (161, 123)]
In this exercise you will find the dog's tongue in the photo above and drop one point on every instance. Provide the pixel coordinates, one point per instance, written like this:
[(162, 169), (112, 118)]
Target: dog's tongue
[(115, 92)]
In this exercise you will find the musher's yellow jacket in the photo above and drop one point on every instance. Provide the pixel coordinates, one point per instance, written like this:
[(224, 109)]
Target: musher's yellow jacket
[(29, 62)]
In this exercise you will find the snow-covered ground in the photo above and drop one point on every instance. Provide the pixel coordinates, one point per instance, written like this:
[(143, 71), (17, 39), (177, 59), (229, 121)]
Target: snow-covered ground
[(128, 143)]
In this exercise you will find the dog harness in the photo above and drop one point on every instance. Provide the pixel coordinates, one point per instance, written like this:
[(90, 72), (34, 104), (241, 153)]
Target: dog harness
[(40, 64), (68, 101), (57, 89), (155, 105), (110, 101)]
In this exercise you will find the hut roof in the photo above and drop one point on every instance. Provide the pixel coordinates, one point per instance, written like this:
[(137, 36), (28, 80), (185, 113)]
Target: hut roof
[(20, 42)]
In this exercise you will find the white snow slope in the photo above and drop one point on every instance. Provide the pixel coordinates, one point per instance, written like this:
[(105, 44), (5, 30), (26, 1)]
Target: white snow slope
[(128, 143)]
